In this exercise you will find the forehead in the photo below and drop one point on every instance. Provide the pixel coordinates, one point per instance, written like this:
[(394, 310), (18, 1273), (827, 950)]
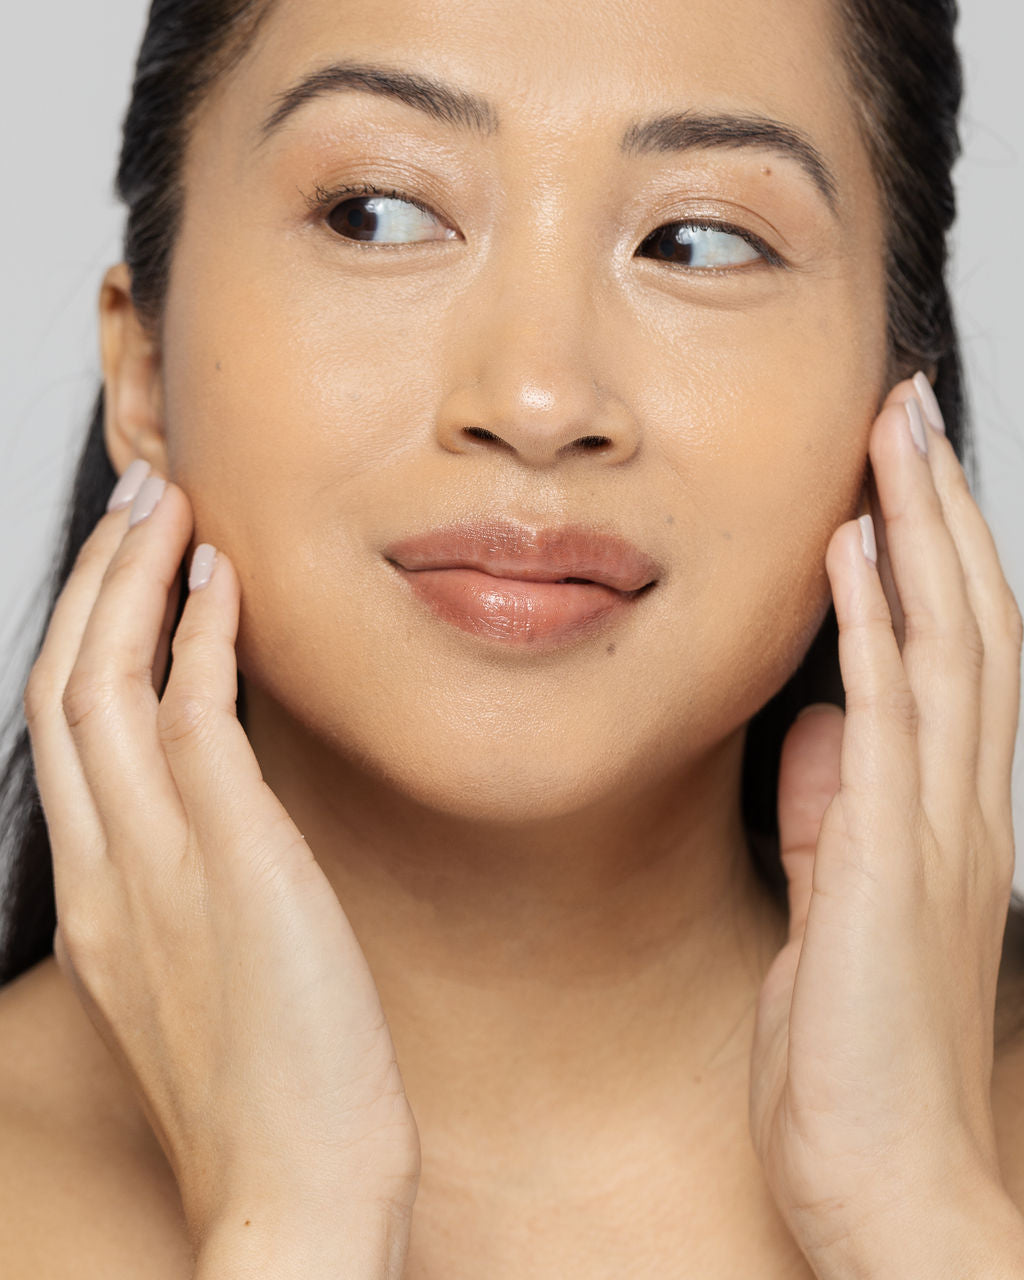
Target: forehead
[(562, 64)]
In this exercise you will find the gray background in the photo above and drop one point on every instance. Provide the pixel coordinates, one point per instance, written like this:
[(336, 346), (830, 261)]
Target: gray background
[(65, 71)]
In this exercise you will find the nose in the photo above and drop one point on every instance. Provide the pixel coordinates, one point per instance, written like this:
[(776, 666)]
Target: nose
[(531, 375)]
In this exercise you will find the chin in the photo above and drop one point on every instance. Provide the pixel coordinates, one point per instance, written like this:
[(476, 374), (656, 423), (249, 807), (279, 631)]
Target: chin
[(493, 787)]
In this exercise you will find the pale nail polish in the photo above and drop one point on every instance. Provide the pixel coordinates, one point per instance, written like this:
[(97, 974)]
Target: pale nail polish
[(928, 402), (867, 538), (202, 566), (123, 493), (146, 499), (916, 425)]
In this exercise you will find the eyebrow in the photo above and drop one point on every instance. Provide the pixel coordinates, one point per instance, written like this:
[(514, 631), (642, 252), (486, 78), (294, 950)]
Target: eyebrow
[(441, 101), (448, 104), (694, 130)]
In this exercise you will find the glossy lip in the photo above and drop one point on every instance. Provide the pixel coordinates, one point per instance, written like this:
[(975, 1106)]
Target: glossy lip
[(520, 586), (507, 550)]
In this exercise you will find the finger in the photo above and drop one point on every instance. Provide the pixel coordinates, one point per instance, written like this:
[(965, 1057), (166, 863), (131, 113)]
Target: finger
[(995, 610), (110, 702), (885, 571), (879, 756), (71, 817), (808, 779), (161, 662), (214, 766), (942, 648)]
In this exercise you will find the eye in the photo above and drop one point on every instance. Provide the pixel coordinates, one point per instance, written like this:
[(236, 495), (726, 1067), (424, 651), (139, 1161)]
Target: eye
[(386, 219), (701, 245)]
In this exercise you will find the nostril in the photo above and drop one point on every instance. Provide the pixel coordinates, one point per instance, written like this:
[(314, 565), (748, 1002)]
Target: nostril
[(480, 433), (588, 443)]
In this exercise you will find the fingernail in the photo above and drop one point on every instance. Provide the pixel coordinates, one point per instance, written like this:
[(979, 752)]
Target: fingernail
[(146, 499), (928, 402), (916, 425), (123, 493), (867, 538), (202, 566)]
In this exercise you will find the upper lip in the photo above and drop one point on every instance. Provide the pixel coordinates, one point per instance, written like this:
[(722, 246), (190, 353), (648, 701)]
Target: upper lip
[(507, 550)]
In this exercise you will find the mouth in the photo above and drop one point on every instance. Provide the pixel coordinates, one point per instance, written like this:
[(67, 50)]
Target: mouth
[(524, 587)]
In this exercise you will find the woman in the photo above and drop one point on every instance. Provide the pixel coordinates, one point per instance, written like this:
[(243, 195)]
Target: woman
[(518, 395)]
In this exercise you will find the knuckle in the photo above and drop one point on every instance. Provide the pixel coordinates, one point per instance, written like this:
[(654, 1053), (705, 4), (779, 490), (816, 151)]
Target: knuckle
[(83, 938), (971, 642), (901, 709), (955, 640), (184, 720), (84, 697), (186, 635), (895, 704)]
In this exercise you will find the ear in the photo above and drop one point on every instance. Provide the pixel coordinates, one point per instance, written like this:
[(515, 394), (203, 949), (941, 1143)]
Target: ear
[(133, 392)]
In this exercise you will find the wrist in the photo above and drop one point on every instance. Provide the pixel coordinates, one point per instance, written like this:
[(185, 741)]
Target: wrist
[(971, 1231), (292, 1243)]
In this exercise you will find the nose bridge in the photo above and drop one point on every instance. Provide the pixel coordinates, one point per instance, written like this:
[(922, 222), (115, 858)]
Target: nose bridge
[(537, 338), (529, 360)]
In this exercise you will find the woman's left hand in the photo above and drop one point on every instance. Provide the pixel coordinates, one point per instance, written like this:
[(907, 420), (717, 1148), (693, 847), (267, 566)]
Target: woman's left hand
[(872, 1059)]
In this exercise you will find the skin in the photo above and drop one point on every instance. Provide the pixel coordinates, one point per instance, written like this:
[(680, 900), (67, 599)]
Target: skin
[(540, 855)]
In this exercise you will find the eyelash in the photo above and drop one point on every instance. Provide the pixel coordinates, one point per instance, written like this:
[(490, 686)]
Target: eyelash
[(323, 199)]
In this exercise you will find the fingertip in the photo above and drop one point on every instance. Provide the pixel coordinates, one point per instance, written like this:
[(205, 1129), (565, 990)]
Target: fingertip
[(817, 709), (213, 600), (846, 548)]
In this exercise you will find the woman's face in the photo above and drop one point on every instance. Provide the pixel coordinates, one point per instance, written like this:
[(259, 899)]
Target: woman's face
[(326, 396)]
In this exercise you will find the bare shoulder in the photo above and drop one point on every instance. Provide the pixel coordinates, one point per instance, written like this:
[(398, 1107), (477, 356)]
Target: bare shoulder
[(85, 1187)]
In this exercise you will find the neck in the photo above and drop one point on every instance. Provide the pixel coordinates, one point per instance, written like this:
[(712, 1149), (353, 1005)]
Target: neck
[(607, 958)]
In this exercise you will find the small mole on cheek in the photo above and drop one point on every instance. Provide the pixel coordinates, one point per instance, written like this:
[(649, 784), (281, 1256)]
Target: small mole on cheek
[(218, 366), (766, 170), (610, 649), (670, 519), (726, 534)]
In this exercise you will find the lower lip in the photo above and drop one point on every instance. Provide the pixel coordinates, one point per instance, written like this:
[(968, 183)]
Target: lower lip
[(515, 612)]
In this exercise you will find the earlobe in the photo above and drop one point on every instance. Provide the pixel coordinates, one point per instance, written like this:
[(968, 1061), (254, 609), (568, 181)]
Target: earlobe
[(133, 393)]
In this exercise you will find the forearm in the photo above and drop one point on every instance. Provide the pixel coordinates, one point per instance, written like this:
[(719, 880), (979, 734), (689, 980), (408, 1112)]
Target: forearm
[(971, 1237)]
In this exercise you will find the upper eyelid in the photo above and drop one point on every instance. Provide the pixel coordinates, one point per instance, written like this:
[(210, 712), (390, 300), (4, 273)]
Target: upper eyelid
[(720, 224), (323, 199)]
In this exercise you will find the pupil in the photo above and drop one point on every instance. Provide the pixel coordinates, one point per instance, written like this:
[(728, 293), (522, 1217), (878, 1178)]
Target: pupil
[(675, 247), (352, 219)]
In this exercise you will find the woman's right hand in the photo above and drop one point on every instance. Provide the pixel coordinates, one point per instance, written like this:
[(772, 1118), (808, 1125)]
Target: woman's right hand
[(198, 930)]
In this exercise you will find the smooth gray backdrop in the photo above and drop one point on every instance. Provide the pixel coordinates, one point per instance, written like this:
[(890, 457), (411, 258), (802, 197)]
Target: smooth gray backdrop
[(65, 70)]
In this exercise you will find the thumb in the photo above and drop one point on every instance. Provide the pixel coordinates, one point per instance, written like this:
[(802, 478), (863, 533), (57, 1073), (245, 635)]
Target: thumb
[(808, 779)]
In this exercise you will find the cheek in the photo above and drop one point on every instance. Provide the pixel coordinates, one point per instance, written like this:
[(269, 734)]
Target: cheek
[(302, 376), (283, 395), (768, 457)]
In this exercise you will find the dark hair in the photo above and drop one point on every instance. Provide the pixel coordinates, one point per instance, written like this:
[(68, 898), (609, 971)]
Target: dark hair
[(905, 77)]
